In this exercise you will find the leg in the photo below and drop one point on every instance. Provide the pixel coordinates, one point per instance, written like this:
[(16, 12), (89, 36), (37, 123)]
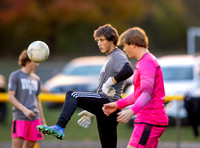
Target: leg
[(85, 100), (140, 136), (129, 146), (145, 136), (154, 136), (29, 144), (18, 130), (89, 101), (68, 109), (107, 128), (3, 111), (195, 128), (17, 142)]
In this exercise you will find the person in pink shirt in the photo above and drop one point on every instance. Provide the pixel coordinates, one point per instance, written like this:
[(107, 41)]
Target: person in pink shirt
[(147, 100)]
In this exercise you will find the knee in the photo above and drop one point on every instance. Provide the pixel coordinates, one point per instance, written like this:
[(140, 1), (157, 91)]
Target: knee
[(69, 96), (69, 93)]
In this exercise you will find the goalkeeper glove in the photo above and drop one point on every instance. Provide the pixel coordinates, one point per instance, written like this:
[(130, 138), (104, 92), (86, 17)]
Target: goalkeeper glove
[(108, 89), (86, 118)]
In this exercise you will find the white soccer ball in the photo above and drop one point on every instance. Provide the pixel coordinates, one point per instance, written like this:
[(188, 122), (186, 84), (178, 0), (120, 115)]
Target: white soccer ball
[(38, 51)]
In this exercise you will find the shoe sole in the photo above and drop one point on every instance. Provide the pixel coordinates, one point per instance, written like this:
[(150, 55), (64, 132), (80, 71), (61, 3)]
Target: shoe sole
[(49, 131)]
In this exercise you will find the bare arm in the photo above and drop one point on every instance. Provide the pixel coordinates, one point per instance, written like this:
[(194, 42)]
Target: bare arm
[(41, 113), (11, 96), (109, 108)]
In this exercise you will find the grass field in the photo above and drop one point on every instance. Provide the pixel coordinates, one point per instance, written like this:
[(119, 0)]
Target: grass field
[(76, 133)]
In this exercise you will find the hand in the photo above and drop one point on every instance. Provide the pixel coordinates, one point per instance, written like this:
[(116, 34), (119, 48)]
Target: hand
[(109, 108), (29, 113), (86, 120), (108, 89), (125, 115), (110, 92)]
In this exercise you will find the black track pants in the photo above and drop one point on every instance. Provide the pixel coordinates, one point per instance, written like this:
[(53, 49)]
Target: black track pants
[(92, 102)]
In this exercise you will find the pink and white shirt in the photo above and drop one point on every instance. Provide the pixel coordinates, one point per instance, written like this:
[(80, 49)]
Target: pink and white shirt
[(147, 79)]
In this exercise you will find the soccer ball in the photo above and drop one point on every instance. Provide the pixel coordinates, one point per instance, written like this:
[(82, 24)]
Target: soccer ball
[(38, 51)]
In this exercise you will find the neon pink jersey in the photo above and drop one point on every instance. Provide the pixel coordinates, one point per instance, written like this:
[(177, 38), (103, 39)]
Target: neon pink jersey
[(148, 77)]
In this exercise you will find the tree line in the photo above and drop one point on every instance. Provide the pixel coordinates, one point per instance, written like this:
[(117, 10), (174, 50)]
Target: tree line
[(67, 25)]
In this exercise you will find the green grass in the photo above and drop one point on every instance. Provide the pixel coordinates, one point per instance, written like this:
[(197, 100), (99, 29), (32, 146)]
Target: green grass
[(75, 132)]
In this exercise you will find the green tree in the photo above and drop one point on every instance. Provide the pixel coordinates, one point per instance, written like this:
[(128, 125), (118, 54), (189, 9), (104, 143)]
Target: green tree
[(67, 25)]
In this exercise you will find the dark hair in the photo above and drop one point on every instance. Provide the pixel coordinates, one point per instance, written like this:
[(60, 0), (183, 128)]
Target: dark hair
[(23, 58), (135, 35), (108, 31)]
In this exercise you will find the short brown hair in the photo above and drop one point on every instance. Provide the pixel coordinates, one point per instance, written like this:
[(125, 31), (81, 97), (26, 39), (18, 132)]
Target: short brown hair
[(108, 31), (23, 58), (135, 35)]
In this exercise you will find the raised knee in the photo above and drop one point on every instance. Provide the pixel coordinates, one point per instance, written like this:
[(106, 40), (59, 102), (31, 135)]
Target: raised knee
[(69, 93)]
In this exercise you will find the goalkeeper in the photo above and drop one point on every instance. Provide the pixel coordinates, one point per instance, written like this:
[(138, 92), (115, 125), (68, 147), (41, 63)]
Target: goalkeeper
[(112, 81), (147, 100)]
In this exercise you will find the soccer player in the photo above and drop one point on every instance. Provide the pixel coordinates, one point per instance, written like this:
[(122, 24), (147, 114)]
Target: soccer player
[(23, 91), (115, 71), (147, 100)]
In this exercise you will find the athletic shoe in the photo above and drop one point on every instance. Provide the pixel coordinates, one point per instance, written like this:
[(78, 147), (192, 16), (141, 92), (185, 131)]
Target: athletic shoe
[(55, 130)]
